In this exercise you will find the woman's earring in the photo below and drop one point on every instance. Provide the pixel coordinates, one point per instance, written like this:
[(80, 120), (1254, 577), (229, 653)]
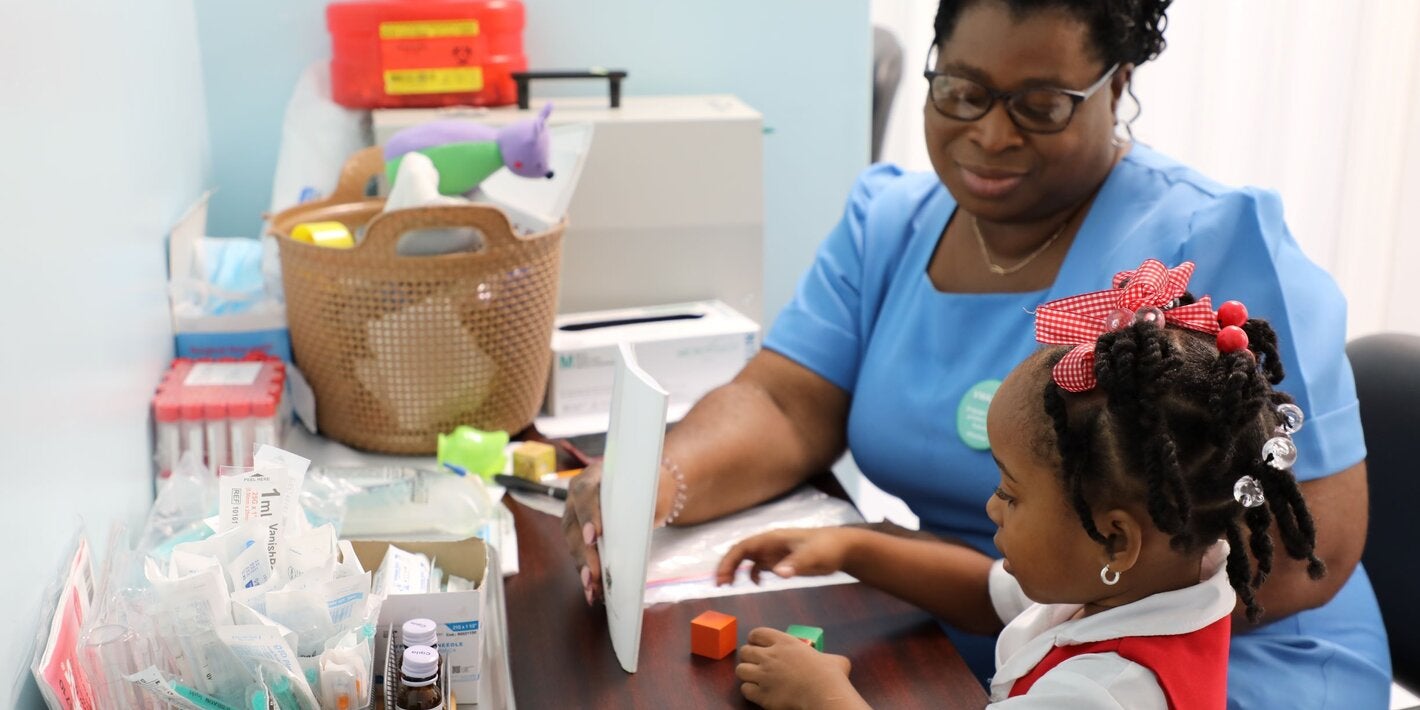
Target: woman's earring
[(1109, 576), (1118, 141)]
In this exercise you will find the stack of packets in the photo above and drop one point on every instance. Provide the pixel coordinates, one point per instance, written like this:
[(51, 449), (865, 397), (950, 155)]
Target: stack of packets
[(258, 608)]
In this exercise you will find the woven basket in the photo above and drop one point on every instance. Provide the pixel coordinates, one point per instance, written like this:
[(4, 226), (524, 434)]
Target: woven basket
[(401, 348)]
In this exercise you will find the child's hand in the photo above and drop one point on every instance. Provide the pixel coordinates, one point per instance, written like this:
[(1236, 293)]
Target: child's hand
[(777, 670), (806, 551)]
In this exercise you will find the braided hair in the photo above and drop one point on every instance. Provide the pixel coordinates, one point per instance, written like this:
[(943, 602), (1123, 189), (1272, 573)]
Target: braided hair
[(1122, 31), (1174, 423)]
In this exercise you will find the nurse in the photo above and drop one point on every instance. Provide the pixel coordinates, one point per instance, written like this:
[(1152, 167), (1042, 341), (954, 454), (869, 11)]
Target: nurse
[(917, 306)]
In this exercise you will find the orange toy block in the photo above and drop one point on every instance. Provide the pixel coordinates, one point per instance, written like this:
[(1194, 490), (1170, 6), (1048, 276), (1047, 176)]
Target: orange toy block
[(713, 635)]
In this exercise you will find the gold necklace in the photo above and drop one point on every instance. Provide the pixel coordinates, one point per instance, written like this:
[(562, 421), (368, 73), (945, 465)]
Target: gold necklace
[(1007, 271)]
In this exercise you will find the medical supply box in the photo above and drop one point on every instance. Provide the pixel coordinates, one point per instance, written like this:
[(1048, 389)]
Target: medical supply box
[(402, 53), (689, 348), (459, 616)]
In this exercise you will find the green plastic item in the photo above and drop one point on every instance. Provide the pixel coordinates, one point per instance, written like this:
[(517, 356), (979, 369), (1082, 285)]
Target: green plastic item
[(474, 450), (812, 634), (461, 166)]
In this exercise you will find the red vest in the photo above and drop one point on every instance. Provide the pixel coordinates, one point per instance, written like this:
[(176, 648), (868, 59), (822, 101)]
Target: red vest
[(1192, 668)]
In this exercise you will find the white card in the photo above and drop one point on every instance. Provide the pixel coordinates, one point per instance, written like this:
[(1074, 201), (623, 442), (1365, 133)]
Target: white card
[(630, 473)]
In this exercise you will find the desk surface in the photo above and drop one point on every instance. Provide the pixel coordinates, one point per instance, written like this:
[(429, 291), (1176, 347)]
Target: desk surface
[(561, 655)]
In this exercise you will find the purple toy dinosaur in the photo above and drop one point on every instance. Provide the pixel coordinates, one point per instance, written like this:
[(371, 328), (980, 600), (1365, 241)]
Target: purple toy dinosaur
[(466, 152)]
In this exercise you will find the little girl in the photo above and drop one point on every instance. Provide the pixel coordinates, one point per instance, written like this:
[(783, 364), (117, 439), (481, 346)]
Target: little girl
[(1143, 461)]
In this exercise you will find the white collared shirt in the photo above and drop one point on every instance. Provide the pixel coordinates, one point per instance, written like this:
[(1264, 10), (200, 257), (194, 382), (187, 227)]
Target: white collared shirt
[(1097, 680)]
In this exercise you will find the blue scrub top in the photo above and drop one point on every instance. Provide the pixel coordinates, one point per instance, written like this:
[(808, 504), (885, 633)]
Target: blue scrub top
[(867, 318)]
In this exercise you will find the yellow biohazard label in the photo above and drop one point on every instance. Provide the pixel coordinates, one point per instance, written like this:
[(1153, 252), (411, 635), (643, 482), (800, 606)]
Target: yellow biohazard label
[(450, 80), (428, 29)]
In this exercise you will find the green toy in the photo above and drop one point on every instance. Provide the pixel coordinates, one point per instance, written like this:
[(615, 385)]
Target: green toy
[(811, 635), (474, 450)]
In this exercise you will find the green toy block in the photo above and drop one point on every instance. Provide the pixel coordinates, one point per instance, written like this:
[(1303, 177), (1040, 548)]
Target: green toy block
[(811, 635)]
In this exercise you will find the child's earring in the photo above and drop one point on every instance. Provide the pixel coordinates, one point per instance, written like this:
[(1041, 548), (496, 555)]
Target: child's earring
[(1109, 576)]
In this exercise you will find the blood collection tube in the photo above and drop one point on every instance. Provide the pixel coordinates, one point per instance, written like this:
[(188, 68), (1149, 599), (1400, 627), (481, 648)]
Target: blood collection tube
[(239, 413), (215, 411), (192, 430), (264, 429), (168, 433)]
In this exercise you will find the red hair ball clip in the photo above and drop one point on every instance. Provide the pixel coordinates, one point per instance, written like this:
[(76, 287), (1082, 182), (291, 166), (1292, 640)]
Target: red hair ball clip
[(1231, 316)]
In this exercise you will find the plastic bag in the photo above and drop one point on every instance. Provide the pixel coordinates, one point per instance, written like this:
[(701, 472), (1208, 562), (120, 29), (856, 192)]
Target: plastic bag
[(396, 503), (184, 502), (683, 560)]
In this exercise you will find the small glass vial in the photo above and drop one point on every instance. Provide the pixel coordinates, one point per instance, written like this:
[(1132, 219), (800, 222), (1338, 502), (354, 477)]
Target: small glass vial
[(419, 680)]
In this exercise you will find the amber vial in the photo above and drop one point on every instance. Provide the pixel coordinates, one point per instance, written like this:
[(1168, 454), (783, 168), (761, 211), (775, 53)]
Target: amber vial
[(418, 676)]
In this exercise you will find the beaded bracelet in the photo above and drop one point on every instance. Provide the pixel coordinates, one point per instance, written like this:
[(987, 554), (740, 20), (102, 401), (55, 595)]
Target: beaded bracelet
[(682, 492)]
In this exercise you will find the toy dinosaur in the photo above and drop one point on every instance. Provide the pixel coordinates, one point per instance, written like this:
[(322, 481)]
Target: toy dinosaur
[(466, 152)]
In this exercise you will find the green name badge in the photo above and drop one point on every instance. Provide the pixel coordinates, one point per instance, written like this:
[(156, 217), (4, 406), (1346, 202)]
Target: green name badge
[(971, 414)]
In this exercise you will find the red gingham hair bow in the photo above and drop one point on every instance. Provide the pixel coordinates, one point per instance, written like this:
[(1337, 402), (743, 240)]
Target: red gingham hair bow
[(1138, 295)]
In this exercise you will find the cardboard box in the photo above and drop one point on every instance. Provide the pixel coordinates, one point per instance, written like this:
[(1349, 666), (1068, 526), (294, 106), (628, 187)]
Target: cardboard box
[(689, 348), (460, 615)]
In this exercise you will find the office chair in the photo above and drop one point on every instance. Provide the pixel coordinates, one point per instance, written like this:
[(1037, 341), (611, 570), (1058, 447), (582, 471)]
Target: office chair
[(887, 74), (1387, 368)]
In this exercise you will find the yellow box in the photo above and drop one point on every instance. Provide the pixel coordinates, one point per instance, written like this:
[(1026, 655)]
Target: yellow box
[(534, 459)]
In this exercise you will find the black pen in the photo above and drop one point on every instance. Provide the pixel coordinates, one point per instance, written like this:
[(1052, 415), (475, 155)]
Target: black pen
[(523, 484)]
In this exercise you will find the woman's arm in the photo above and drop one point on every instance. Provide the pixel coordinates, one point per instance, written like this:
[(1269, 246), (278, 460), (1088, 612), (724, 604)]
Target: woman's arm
[(761, 435), (765, 432), (1339, 505)]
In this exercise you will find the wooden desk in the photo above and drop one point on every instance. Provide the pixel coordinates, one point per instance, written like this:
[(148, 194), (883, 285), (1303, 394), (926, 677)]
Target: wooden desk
[(561, 655)]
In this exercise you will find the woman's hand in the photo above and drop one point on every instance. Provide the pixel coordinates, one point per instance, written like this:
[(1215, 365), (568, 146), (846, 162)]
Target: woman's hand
[(789, 552), (582, 525), (777, 670)]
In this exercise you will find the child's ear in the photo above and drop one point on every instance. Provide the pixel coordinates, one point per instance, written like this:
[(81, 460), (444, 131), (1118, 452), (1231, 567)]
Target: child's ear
[(1125, 535)]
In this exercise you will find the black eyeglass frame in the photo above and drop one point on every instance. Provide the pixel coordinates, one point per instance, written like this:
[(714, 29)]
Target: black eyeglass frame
[(1076, 97)]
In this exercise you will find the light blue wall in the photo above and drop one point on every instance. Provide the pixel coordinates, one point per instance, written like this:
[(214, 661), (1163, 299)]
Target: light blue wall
[(106, 145), (803, 63)]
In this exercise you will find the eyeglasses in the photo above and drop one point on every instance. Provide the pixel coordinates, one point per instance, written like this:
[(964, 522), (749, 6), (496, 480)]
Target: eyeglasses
[(1035, 110)]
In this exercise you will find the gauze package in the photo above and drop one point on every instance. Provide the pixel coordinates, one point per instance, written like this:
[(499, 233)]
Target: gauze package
[(264, 650), (305, 612), (402, 573), (312, 553), (195, 601)]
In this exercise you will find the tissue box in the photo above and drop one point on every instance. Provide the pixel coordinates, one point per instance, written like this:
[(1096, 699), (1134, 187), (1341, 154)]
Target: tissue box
[(459, 615), (259, 330), (689, 348)]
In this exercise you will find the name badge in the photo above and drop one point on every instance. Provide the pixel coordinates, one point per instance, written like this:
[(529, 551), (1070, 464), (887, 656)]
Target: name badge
[(971, 414)]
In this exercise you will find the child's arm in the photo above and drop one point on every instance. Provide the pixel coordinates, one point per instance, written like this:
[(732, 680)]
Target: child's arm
[(950, 581)]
